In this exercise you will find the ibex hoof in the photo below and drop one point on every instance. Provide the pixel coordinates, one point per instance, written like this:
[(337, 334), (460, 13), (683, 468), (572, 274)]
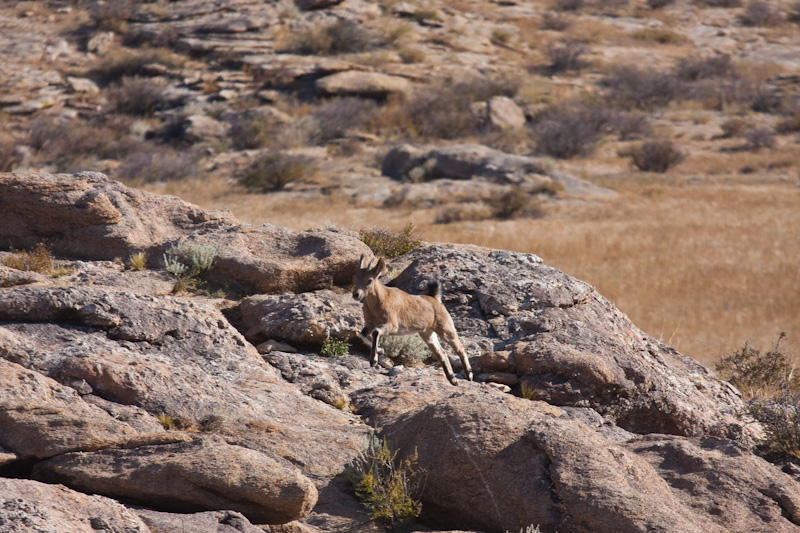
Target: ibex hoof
[(453, 381)]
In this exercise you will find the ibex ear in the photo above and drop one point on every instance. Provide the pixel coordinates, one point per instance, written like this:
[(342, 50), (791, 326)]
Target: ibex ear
[(380, 268), (363, 263)]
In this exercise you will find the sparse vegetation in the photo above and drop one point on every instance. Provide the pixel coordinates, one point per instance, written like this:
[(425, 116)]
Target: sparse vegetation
[(564, 132), (565, 55), (390, 244), (761, 13), (656, 155), (340, 37), (767, 380), (528, 392), (334, 348), (275, 169), (758, 138), (388, 486), (138, 96), (632, 88), (39, 259), (443, 110)]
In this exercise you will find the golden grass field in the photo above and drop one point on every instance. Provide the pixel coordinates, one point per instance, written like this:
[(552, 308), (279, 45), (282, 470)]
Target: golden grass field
[(703, 267)]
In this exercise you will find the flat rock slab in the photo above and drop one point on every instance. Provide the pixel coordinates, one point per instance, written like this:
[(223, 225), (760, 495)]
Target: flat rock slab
[(363, 84)]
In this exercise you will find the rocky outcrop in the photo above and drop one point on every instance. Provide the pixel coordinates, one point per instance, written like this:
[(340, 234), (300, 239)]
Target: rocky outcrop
[(88, 216), (570, 345), (494, 462), (110, 386)]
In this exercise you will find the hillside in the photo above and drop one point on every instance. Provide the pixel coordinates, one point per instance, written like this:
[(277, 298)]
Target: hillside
[(130, 404)]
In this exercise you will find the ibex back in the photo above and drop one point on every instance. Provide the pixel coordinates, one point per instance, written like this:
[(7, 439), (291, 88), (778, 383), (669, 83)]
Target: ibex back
[(390, 311)]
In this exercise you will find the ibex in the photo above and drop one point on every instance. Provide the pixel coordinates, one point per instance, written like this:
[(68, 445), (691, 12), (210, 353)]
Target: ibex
[(390, 311)]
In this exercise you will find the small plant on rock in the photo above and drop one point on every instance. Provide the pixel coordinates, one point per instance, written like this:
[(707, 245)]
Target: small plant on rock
[(390, 244), (189, 263), (388, 487), (408, 350), (334, 348), (137, 261)]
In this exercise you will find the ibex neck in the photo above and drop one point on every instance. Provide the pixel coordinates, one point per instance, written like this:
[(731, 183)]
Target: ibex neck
[(376, 293)]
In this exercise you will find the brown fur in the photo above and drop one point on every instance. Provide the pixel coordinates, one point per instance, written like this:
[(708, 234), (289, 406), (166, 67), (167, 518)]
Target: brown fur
[(390, 311)]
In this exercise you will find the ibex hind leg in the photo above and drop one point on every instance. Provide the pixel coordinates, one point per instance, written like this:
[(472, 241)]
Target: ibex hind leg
[(452, 339), (432, 340)]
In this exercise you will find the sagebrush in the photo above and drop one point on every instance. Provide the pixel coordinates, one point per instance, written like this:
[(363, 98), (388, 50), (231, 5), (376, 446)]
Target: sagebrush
[(389, 487)]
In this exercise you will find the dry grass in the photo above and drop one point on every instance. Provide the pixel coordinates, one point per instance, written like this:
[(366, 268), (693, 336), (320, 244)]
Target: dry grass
[(705, 269)]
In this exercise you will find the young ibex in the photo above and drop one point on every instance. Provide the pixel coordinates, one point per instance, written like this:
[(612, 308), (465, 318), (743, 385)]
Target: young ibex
[(390, 311)]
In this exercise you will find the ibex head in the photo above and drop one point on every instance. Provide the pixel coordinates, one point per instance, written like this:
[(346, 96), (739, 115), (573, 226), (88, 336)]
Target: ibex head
[(369, 270)]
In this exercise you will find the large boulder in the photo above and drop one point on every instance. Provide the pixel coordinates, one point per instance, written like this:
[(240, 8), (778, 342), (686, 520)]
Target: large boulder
[(41, 418), (203, 474), (493, 462), (169, 357), (475, 161), (88, 216), (570, 345)]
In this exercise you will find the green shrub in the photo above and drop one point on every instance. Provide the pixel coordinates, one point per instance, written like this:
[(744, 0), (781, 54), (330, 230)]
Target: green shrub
[(388, 487), (334, 348), (408, 350), (189, 263), (387, 243), (275, 170)]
